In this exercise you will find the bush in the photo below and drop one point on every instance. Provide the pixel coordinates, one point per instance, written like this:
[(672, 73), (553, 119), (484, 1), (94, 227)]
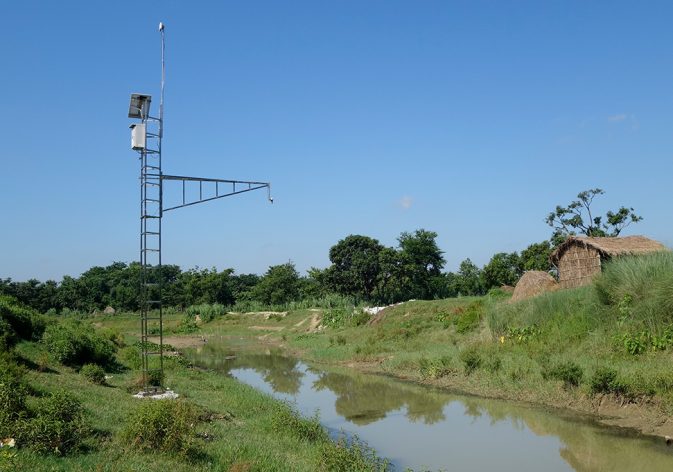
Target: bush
[(604, 380), (162, 425), (17, 322), (56, 427), (347, 455), (471, 360), (130, 356), (568, 372), (93, 373), (75, 343), (13, 392)]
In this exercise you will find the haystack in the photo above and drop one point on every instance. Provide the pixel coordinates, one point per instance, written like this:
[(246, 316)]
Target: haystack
[(533, 283), (109, 310)]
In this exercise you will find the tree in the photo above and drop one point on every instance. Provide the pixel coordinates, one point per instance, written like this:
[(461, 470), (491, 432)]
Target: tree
[(502, 269), (536, 256), (422, 260), (469, 279), (355, 266), (578, 217), (280, 284)]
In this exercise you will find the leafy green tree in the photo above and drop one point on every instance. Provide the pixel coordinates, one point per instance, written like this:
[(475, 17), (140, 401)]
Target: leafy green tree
[(422, 261), (392, 282), (469, 279), (280, 284), (502, 269), (355, 266), (536, 257), (578, 217)]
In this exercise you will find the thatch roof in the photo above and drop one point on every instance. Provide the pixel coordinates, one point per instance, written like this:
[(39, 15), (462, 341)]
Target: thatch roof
[(629, 245), (533, 283)]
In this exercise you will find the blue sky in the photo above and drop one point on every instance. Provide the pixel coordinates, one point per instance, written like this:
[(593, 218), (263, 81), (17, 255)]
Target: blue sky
[(469, 118)]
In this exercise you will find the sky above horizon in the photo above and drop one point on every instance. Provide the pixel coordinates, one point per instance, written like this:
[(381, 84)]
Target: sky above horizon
[(473, 119)]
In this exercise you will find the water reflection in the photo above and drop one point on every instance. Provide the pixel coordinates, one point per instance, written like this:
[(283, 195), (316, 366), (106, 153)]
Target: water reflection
[(419, 427)]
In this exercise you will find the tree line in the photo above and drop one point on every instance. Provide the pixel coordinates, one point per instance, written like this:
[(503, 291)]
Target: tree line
[(360, 267)]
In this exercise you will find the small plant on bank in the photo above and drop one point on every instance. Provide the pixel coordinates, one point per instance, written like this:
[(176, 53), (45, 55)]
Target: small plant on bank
[(162, 425), (346, 455), (605, 380), (468, 319), (93, 373), (568, 372), (471, 359)]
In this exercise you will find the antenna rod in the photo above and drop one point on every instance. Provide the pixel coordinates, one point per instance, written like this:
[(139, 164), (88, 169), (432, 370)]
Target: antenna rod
[(163, 81)]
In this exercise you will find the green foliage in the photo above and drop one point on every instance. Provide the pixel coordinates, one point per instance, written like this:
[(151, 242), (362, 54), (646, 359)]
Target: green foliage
[(74, 342), (469, 317), (469, 279), (17, 322), (206, 311), (524, 334), (287, 421), (55, 425), (279, 285), (421, 261), (536, 257), (471, 359), (578, 217), (350, 454), (93, 373), (13, 392), (434, 368), (640, 288), (568, 372), (130, 356), (162, 425), (502, 269), (605, 380), (339, 317), (355, 266)]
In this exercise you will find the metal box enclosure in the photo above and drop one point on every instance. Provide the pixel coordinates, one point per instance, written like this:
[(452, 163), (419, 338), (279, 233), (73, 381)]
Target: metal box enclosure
[(138, 136)]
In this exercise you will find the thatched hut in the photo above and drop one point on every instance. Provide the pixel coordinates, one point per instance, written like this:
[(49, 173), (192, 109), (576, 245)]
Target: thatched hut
[(580, 258), (533, 283)]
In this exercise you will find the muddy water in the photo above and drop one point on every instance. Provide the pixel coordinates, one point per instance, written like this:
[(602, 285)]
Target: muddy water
[(423, 428)]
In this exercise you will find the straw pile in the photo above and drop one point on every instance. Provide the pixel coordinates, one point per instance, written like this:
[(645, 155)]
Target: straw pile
[(533, 283)]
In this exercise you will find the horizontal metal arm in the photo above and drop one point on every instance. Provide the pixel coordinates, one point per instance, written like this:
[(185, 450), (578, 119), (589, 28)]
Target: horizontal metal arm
[(248, 186)]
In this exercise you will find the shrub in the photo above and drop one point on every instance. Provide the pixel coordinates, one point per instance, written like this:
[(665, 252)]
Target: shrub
[(13, 391), (93, 373), (74, 343), (56, 427), (435, 368), (346, 455), (471, 360), (130, 356), (17, 322), (286, 420), (568, 372), (604, 380), (162, 425)]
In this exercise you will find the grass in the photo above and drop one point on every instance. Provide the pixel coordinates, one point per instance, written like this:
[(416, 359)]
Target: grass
[(223, 425)]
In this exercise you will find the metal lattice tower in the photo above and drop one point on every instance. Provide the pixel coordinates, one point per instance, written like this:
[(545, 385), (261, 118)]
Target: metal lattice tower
[(146, 139)]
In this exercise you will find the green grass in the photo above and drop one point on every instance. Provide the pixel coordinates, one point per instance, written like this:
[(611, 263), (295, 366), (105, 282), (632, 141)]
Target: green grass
[(238, 428)]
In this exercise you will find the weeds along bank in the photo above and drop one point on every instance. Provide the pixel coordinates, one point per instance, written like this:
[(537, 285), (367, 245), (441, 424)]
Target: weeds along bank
[(606, 348), (66, 404)]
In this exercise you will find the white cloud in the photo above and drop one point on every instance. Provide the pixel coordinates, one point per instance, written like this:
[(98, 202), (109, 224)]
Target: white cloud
[(616, 118), (406, 202)]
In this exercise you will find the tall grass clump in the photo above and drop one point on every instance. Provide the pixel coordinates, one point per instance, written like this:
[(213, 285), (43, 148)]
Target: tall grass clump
[(571, 312), (18, 322), (351, 454), (639, 289), (206, 311)]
